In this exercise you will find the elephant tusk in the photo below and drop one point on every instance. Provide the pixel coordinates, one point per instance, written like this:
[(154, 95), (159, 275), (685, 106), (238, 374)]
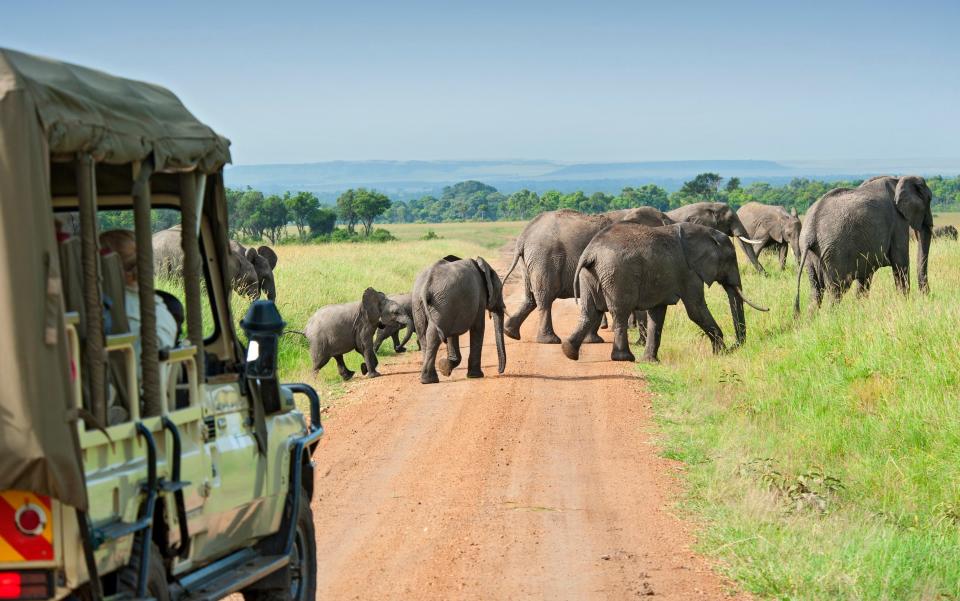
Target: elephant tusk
[(749, 302), (749, 241)]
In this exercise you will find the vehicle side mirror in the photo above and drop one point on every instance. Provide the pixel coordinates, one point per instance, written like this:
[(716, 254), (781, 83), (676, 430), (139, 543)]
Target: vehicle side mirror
[(263, 326)]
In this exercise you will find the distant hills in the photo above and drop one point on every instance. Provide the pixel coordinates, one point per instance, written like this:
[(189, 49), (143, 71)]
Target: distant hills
[(412, 179)]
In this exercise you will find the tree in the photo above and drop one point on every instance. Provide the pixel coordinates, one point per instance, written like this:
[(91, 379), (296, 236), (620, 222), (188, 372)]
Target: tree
[(301, 208), (322, 221), (522, 204), (733, 184), (248, 206), (347, 210), (701, 188), (368, 205), (272, 215)]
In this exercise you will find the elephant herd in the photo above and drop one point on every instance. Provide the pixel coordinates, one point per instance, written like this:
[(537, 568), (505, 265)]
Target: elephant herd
[(631, 264)]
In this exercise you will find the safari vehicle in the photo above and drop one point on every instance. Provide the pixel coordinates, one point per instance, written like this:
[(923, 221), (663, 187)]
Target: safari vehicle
[(128, 470)]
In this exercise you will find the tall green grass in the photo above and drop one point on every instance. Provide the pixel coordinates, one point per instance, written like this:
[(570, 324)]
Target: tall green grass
[(824, 456)]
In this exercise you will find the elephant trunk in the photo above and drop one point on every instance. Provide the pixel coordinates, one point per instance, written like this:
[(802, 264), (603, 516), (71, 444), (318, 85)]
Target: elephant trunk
[(736, 311), (741, 232), (498, 336), (924, 234), (270, 288)]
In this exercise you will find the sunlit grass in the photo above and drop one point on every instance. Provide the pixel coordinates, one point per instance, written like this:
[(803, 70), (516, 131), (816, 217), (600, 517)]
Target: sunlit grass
[(867, 392)]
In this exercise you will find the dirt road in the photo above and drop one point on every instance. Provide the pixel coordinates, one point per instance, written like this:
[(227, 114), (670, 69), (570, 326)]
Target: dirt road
[(541, 483)]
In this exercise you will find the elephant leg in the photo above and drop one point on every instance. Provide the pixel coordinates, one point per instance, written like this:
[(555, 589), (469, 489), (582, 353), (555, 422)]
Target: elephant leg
[(699, 314), (345, 373), (370, 361), (320, 362), (621, 344), (640, 318), (431, 344), (816, 283), (546, 335), (783, 256), (588, 324), (863, 286), (402, 347), (511, 328), (453, 358), (476, 347), (655, 318)]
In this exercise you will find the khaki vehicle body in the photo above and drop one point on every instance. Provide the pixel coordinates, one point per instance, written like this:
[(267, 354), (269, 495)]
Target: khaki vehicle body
[(204, 469)]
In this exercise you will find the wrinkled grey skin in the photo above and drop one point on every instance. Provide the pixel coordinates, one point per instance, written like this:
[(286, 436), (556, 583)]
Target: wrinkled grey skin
[(335, 330), (849, 233), (720, 217), (404, 301), (773, 227), (629, 266), (250, 270), (549, 247), (449, 299), (945, 231)]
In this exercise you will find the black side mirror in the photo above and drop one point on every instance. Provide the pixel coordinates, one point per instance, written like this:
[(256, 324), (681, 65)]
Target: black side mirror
[(263, 327)]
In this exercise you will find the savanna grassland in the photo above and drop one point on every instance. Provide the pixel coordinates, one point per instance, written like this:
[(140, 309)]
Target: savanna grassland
[(823, 457), (821, 460)]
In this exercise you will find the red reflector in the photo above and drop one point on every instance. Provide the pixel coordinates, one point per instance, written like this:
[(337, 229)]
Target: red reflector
[(29, 520), (9, 585)]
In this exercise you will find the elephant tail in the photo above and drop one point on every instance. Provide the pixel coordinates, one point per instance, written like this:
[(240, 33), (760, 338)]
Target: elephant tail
[(431, 313), (517, 255), (297, 332), (586, 261), (796, 299)]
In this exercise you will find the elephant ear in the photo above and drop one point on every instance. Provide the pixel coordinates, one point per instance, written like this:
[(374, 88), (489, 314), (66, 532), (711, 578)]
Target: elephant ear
[(912, 198), (268, 253), (491, 281), (370, 305), (702, 253)]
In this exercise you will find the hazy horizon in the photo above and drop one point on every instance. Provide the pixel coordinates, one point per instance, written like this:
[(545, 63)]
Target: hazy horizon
[(598, 82)]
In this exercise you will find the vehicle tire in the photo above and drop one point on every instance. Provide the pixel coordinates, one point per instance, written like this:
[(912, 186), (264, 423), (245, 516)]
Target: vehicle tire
[(156, 574), (302, 569)]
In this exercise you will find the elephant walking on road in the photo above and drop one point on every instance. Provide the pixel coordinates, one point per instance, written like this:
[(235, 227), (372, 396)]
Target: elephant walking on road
[(335, 330), (629, 266), (549, 247), (449, 299), (849, 233), (720, 217), (772, 227)]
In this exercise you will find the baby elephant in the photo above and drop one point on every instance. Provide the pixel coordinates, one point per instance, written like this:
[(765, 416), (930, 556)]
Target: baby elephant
[(338, 329), (399, 346), (628, 267), (449, 299), (945, 231)]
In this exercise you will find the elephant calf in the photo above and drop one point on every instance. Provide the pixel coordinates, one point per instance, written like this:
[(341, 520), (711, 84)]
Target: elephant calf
[(335, 330), (449, 299), (406, 305), (946, 231), (628, 267)]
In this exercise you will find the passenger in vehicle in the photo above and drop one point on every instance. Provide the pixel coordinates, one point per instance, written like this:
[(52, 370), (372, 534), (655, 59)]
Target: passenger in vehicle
[(124, 244)]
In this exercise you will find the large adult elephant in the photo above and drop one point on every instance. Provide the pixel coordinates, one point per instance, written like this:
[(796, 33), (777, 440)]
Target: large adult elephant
[(250, 269), (549, 247), (450, 298), (849, 233), (772, 227), (628, 266), (722, 218)]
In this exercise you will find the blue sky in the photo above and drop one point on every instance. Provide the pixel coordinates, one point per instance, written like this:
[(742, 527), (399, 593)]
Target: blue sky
[(588, 81)]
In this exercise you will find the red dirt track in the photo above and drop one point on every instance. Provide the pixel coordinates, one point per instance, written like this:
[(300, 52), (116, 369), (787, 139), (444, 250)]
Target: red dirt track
[(541, 483)]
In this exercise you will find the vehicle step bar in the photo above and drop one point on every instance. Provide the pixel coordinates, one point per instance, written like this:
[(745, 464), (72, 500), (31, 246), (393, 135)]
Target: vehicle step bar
[(228, 575)]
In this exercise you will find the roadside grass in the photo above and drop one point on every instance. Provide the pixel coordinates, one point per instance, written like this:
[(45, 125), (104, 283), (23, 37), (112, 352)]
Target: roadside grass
[(488, 234), (823, 457)]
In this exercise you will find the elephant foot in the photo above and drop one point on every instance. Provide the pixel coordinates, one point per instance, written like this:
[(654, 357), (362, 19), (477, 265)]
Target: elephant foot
[(593, 338), (445, 366), (511, 332), (429, 378), (363, 369), (374, 374), (625, 355), (400, 349), (346, 375), (570, 351), (548, 338), (650, 359), (475, 373)]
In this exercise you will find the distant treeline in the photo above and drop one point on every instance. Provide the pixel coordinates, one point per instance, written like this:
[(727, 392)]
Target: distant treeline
[(255, 216)]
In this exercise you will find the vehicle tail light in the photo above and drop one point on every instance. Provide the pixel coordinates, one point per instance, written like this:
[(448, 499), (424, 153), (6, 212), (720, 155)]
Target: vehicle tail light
[(26, 585)]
